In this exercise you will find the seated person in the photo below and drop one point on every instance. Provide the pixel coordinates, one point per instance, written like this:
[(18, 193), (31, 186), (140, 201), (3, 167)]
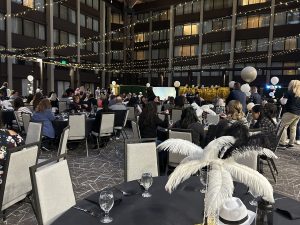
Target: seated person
[(189, 120), (97, 122), (77, 105), (43, 114), (118, 105), (20, 108)]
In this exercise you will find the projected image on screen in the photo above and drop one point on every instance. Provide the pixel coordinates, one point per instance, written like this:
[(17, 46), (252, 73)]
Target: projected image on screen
[(164, 92)]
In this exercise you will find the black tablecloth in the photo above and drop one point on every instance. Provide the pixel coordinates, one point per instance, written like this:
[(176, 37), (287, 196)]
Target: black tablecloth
[(183, 207), (7, 117), (60, 124)]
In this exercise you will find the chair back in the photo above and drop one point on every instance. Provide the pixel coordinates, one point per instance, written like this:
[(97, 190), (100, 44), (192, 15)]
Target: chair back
[(77, 127), (120, 117), (34, 133), (212, 119), (186, 105), (159, 108), (184, 134), (30, 107), (52, 189), (162, 116), (62, 148), (131, 114), (250, 161), (26, 117), (135, 130), (62, 106), (279, 113), (18, 121), (107, 123), (140, 157), (16, 183), (176, 114)]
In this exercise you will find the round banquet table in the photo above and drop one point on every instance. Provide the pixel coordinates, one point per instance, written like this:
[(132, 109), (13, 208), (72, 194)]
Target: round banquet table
[(183, 207), (60, 124)]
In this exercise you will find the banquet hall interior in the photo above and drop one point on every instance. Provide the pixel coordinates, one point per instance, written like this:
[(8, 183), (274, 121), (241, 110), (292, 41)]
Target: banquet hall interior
[(149, 112)]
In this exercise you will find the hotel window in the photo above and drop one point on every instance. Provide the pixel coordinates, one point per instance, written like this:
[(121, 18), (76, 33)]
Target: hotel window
[(89, 3), (71, 15), (96, 4), (160, 16), (39, 5), (293, 18), (63, 37), (89, 22), (262, 44), (141, 55), (216, 25), (186, 50), (56, 36), (28, 28), (155, 54), (207, 27), (17, 25), (280, 19), (290, 43), (188, 29), (28, 3), (72, 39), (254, 21), (82, 40), (139, 37), (89, 45), (95, 25), (116, 18), (40, 31), (2, 22), (95, 47), (289, 72), (178, 30), (163, 53), (63, 12), (188, 9), (250, 2), (155, 35), (82, 20), (217, 4)]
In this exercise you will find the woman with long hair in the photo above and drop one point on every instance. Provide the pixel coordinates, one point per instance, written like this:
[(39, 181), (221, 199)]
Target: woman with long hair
[(36, 99), (292, 113), (189, 120), (149, 121), (43, 114)]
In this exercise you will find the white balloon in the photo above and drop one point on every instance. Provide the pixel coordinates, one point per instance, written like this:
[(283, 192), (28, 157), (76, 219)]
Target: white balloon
[(231, 84), (272, 87), (274, 80), (248, 94), (271, 94), (114, 83), (30, 78), (148, 85), (250, 106), (177, 84), (245, 88), (249, 74)]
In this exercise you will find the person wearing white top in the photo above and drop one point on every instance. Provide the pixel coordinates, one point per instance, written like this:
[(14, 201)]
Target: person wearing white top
[(20, 108)]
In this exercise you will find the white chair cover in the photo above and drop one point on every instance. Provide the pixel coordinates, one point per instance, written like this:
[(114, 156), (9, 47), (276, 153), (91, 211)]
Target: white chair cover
[(176, 115), (62, 149), (135, 130), (77, 127), (140, 158), (131, 114), (62, 106), (212, 119), (54, 191), (18, 183), (34, 133), (26, 117), (107, 124)]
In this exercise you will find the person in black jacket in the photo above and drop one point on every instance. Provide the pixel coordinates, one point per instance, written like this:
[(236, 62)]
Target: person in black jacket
[(189, 120), (292, 115), (237, 94)]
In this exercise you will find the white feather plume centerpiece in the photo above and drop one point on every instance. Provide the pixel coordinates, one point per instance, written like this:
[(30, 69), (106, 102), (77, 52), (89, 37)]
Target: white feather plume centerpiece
[(222, 172)]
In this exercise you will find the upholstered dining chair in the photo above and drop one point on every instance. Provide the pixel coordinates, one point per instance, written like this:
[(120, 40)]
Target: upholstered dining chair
[(52, 189), (26, 117), (16, 184), (62, 148), (121, 117), (62, 106), (176, 114), (131, 114), (212, 119), (140, 157), (175, 158), (135, 130), (34, 133), (106, 127), (19, 123), (77, 130)]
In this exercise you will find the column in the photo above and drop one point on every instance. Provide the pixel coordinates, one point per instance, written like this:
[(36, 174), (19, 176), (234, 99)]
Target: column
[(150, 47), (50, 68), (109, 74), (102, 43), (271, 34), (171, 45), (232, 44), (200, 41), (78, 84), (9, 45)]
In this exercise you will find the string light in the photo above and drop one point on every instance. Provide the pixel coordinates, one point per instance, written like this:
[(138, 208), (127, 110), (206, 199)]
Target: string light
[(30, 10)]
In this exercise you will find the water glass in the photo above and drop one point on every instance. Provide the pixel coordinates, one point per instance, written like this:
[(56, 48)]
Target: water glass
[(106, 202), (170, 123), (203, 180), (146, 182), (253, 202)]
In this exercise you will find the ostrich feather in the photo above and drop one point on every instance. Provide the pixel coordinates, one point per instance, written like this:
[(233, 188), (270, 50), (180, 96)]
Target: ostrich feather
[(250, 151), (183, 172), (220, 187), (211, 151), (192, 157), (180, 146), (251, 178)]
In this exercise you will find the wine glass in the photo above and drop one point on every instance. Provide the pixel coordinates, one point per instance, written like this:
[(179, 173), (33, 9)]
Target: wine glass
[(106, 202), (146, 182), (203, 180), (253, 202), (170, 123)]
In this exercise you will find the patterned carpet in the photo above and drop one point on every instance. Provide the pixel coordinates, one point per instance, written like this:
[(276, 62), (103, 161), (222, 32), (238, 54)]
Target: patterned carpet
[(105, 168)]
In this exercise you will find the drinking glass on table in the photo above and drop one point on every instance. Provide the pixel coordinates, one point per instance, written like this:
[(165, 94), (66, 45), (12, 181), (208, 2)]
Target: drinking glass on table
[(146, 182), (106, 202), (170, 123), (253, 202)]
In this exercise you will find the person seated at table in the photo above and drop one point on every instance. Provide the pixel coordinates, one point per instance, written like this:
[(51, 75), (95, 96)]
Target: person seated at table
[(133, 102), (29, 99), (189, 120), (119, 105), (76, 104), (169, 104), (92, 101), (8, 139), (149, 121), (43, 114), (97, 122), (6, 104), (53, 100), (179, 102), (20, 108), (264, 122), (36, 100)]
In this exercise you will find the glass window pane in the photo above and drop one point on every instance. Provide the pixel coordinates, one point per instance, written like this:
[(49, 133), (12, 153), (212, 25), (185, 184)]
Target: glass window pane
[(96, 4), (278, 44), (280, 19), (264, 20), (196, 7), (177, 51), (195, 28), (63, 37), (63, 14), (241, 23), (72, 39), (82, 20), (72, 16), (28, 28), (28, 3), (95, 25), (41, 32), (55, 36), (263, 45), (89, 22), (290, 43), (178, 30), (207, 27), (2, 22), (186, 50), (179, 10), (16, 25), (155, 54), (187, 29), (253, 21), (188, 8), (292, 17), (218, 4), (208, 5), (39, 5)]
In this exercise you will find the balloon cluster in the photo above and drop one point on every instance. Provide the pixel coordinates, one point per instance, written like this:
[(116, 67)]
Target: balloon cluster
[(274, 82)]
